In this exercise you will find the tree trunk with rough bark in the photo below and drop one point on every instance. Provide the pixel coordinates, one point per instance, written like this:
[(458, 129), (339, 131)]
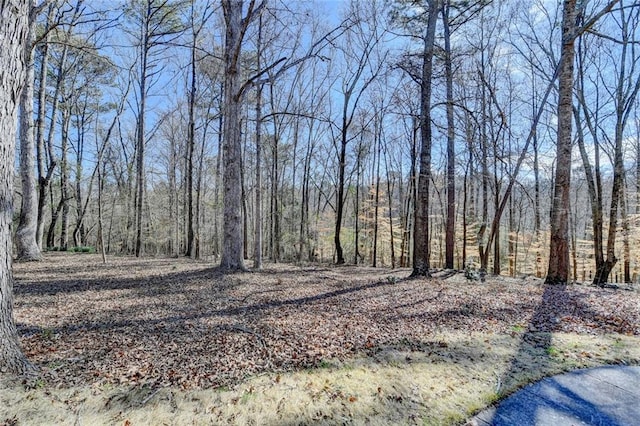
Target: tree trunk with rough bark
[(64, 180), (421, 246), (190, 249), (257, 239), (451, 165), (233, 240), (14, 28), (558, 272), (26, 244), (40, 129)]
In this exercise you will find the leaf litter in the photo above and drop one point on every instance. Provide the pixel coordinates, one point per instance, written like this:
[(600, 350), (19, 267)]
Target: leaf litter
[(176, 325)]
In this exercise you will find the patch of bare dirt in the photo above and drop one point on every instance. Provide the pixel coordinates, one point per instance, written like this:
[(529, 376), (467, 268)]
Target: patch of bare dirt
[(177, 322)]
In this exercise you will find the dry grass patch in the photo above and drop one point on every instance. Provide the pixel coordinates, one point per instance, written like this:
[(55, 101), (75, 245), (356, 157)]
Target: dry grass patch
[(444, 382)]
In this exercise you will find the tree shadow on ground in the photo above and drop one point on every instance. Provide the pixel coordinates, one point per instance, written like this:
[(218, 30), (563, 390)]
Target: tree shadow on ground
[(101, 327), (204, 329), (535, 355)]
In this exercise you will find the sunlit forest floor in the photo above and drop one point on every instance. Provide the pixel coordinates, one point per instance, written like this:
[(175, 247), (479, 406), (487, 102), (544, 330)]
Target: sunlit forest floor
[(172, 341)]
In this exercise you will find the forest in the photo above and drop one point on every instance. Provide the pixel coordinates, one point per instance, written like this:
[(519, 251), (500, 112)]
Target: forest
[(131, 144), (401, 178)]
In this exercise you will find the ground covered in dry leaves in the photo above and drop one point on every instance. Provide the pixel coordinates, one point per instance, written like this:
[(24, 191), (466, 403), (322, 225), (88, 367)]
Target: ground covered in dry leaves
[(179, 325)]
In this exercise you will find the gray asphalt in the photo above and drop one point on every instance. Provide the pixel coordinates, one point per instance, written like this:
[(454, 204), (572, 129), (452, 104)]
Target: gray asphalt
[(607, 396)]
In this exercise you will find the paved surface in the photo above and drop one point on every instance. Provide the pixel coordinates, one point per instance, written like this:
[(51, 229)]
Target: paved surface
[(607, 396)]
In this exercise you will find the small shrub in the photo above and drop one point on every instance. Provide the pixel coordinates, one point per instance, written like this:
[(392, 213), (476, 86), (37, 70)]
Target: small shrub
[(552, 351), (47, 334), (83, 249), (471, 273), (518, 328)]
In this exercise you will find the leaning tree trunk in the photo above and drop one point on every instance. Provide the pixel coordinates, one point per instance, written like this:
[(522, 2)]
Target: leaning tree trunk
[(14, 24)]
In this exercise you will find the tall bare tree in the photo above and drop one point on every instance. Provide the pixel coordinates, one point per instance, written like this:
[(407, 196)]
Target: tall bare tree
[(558, 272), (421, 241), (464, 10), (198, 17), (362, 68), (622, 92), (235, 28), (236, 25), (257, 239), (26, 244), (157, 24)]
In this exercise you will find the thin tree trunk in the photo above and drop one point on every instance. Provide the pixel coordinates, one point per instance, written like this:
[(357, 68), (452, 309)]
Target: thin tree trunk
[(376, 201), (496, 243), (275, 201), (637, 209), (413, 193), (356, 207), (103, 252), (257, 243), (626, 250), (340, 197), (483, 246), (390, 189), (464, 216), (218, 185), (26, 244), (199, 189), (173, 195), (51, 237), (40, 125), (245, 213), (536, 176), (64, 180), (451, 180), (190, 249), (536, 195), (305, 247), (45, 173), (594, 185), (512, 239), (257, 239), (140, 141)]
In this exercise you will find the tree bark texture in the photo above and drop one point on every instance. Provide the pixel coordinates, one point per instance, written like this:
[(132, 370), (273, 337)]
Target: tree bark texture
[(558, 272), (26, 244), (14, 24), (190, 148), (232, 244), (140, 133), (421, 247), (40, 131), (451, 135)]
